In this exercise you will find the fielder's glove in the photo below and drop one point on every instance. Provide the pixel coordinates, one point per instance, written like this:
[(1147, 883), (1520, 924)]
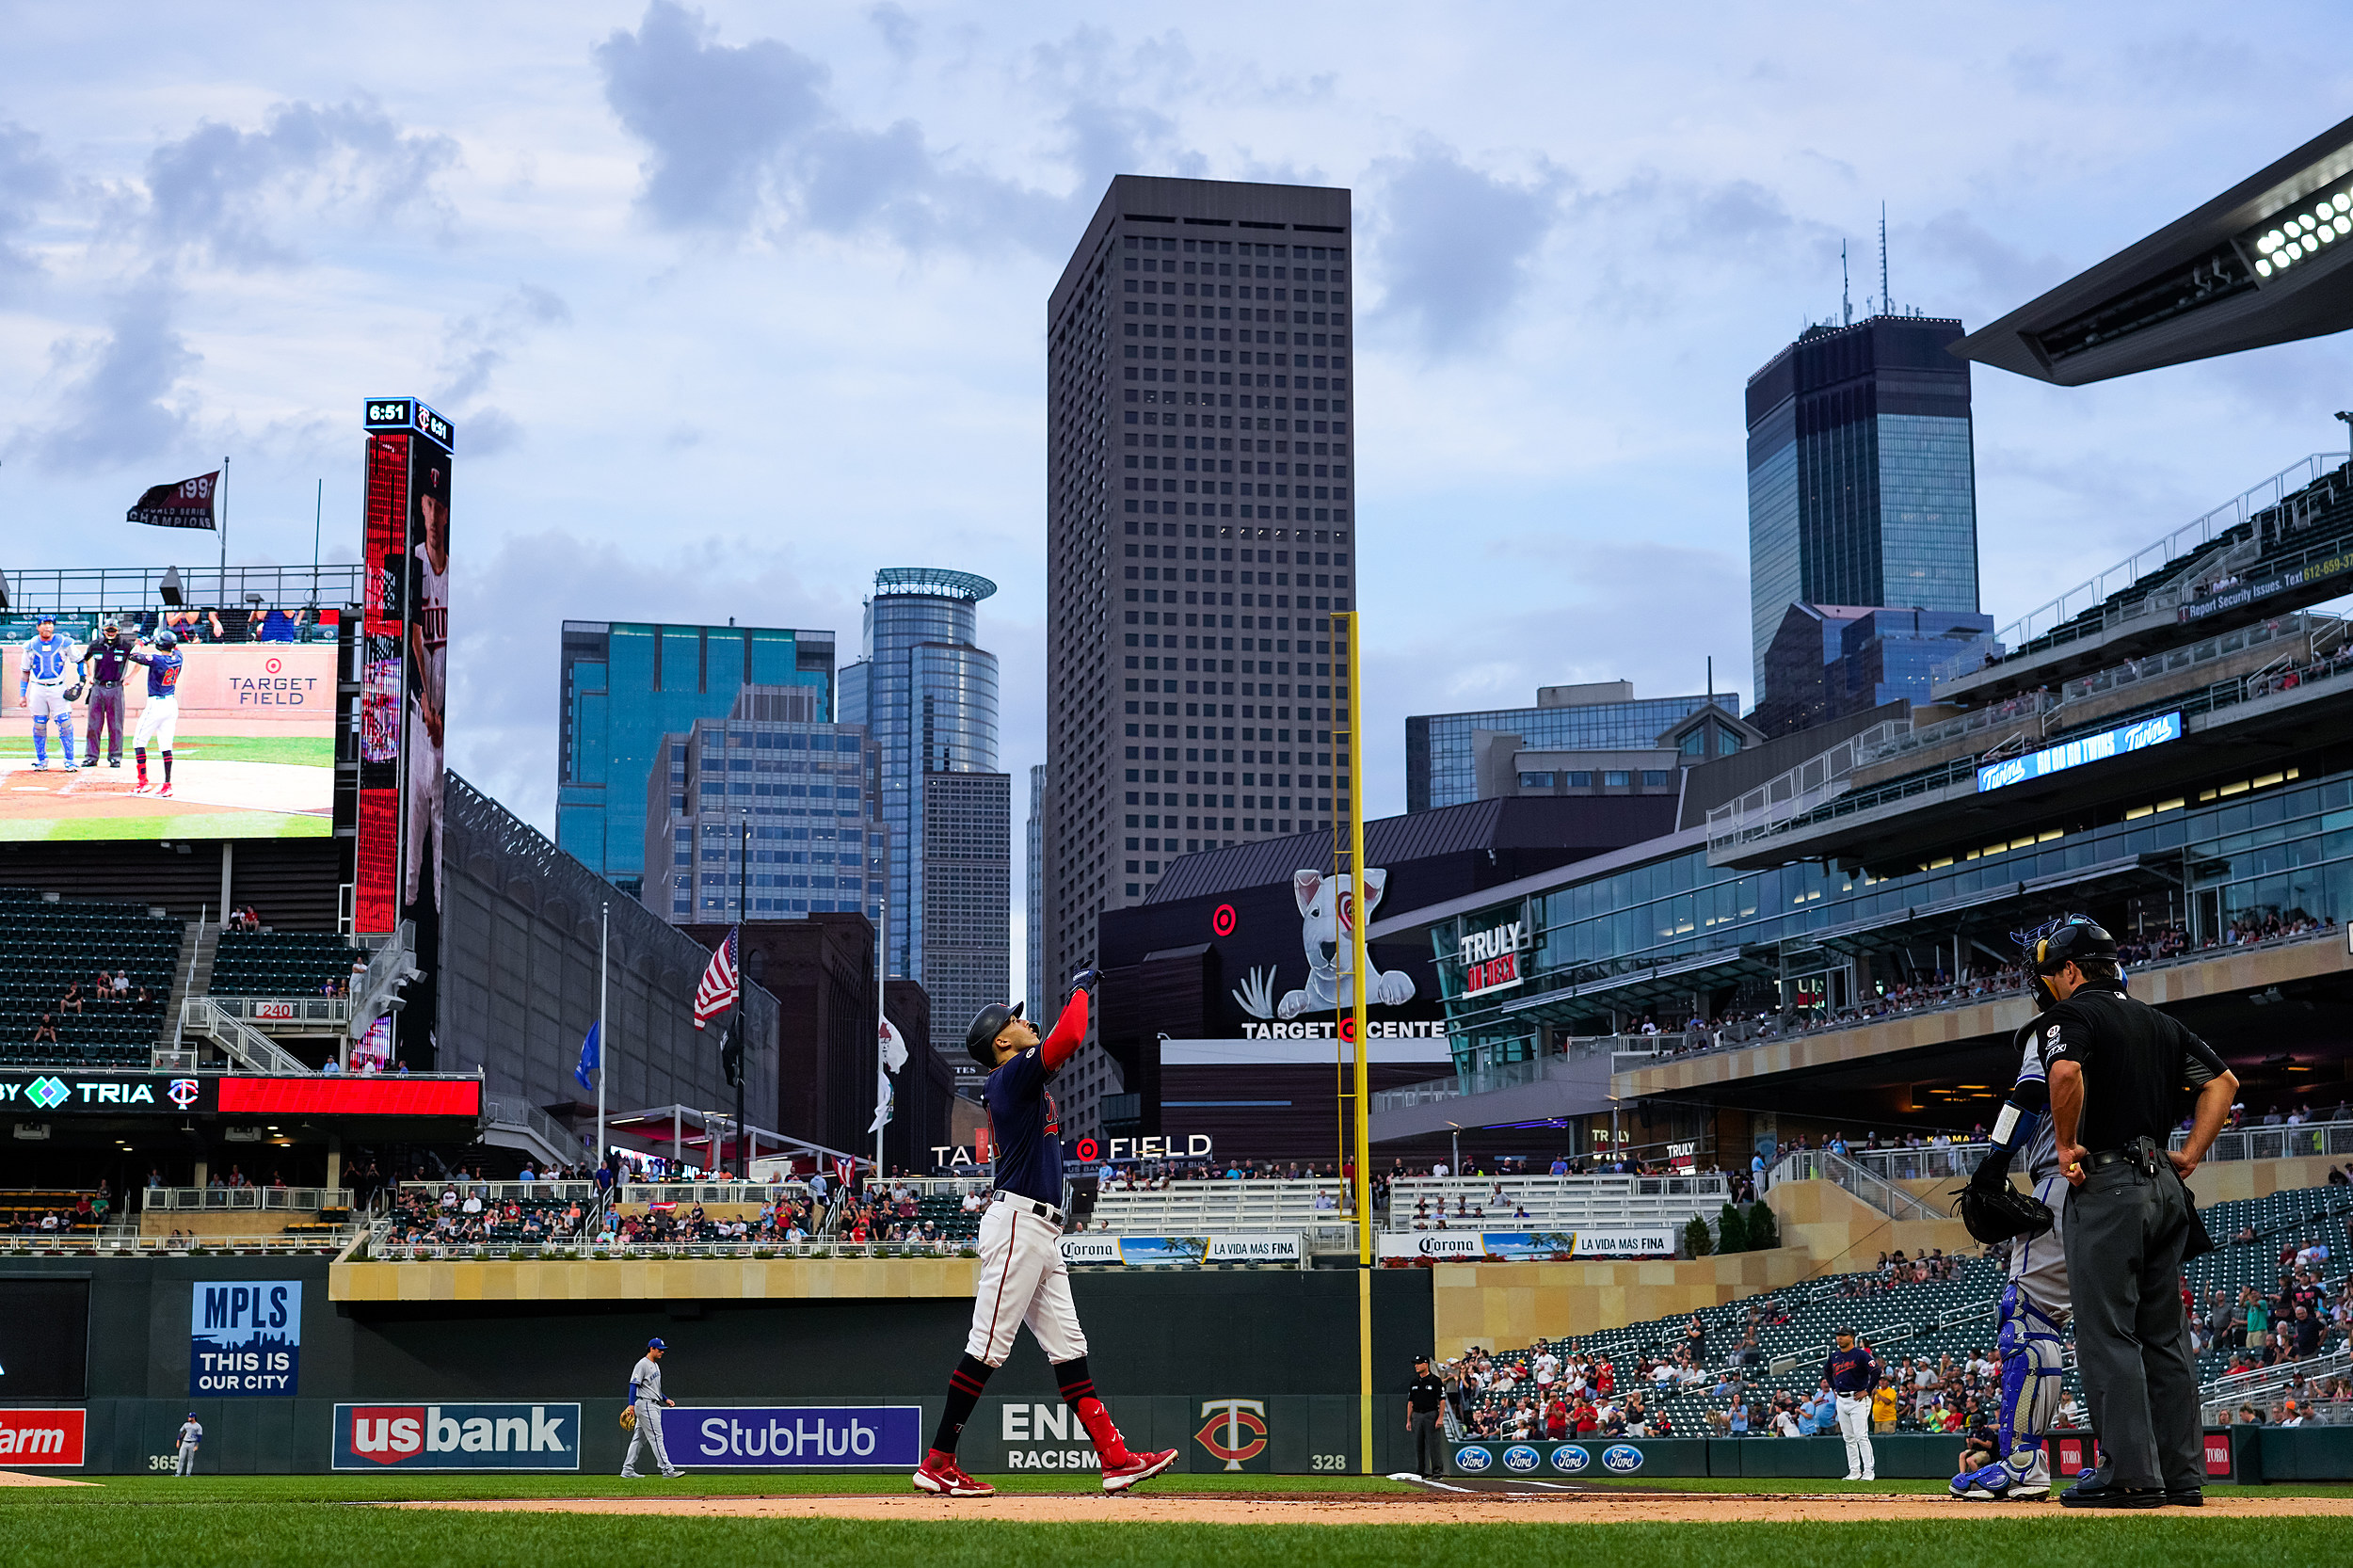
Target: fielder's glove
[(628, 1417), (1993, 1210), (74, 693)]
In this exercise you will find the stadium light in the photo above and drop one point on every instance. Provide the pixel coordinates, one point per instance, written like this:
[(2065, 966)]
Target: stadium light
[(168, 589)]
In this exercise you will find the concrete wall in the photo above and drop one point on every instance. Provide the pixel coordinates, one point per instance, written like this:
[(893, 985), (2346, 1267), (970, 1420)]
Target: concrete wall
[(1516, 1304), (1842, 1233)]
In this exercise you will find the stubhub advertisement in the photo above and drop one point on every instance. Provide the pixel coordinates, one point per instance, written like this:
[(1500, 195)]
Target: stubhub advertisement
[(794, 1437)]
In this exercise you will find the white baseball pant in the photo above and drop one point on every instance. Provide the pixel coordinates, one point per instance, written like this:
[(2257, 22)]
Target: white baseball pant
[(1854, 1425), (159, 721), (1023, 1279), (188, 1460), (425, 799), (647, 1435)]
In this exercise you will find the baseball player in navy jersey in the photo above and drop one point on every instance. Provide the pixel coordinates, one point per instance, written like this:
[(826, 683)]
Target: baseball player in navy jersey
[(47, 667), (1853, 1373), (1023, 1278), (159, 721)]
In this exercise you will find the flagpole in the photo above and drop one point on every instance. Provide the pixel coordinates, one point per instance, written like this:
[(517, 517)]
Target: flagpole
[(882, 1018), (604, 1034), (220, 505), (742, 1052)]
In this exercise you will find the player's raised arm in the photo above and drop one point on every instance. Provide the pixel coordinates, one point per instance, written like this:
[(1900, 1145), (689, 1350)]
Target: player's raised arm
[(1070, 1030)]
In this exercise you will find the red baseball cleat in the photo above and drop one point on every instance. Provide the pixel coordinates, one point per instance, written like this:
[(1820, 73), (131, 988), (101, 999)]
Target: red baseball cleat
[(1140, 1468), (163, 790), (947, 1478)]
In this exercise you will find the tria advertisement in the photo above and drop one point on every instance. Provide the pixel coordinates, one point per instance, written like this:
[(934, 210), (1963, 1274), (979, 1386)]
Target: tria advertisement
[(457, 1437), (795, 1438)]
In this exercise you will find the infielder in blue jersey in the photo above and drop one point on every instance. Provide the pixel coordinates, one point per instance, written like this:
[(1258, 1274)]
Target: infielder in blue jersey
[(46, 668)]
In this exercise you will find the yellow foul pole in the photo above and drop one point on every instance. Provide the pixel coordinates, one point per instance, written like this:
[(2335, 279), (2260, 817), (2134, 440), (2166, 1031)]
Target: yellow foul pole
[(1350, 710)]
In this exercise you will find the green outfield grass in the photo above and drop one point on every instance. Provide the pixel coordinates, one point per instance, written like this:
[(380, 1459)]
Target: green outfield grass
[(356, 1487), (192, 1534), (309, 751), (186, 825)]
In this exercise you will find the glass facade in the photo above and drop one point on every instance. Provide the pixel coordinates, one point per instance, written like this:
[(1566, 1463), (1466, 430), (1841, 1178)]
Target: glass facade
[(625, 685), (2267, 843), (928, 695), (806, 792), (1861, 486), (967, 904), (1441, 769), (1035, 969)]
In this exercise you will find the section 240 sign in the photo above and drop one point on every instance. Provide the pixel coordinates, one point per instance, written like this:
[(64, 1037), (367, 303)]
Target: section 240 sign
[(245, 1336)]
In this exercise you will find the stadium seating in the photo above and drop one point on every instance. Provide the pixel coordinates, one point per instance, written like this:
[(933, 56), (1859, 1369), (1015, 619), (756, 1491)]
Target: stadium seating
[(280, 962), (1553, 1203), (1193, 1207), (47, 944)]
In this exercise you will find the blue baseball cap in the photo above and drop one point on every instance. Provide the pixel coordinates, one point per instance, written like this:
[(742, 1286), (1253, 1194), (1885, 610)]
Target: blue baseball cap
[(656, 1345)]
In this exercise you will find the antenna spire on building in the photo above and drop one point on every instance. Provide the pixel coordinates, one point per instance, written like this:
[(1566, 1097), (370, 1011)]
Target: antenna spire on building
[(1846, 300), (1887, 304)]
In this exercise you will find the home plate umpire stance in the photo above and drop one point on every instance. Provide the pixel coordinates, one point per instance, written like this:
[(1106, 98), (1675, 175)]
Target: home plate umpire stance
[(1022, 1274)]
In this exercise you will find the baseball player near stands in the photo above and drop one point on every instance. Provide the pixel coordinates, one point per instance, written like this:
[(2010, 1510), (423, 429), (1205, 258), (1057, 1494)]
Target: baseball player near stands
[(645, 1402), (109, 662), (47, 673), (159, 721), (1853, 1374), (1023, 1278), (191, 1438), (2035, 1302)]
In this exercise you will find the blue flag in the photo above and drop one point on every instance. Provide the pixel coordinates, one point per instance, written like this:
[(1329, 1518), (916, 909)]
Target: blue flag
[(589, 1057)]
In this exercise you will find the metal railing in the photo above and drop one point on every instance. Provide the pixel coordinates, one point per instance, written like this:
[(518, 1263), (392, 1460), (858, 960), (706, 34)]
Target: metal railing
[(2277, 1142), (509, 1110), (1866, 1185), (607, 1247), (502, 1192), (1557, 1201), (1931, 1162), (308, 1014), (218, 1200), (1485, 1080), (176, 1246), (2174, 660), (387, 971), (1802, 787), (2024, 710), (244, 1043), (2188, 539), (2264, 1383), (101, 590), (710, 1191)]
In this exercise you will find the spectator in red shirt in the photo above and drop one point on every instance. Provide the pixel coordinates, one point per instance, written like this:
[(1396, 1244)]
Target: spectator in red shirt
[(1557, 1420)]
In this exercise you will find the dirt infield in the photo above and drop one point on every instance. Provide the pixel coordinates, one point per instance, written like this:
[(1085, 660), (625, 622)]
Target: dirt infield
[(1431, 1508), (18, 1478)]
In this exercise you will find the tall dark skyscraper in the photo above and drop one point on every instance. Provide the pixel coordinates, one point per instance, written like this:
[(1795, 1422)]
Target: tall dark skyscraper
[(1861, 482), (1200, 530)]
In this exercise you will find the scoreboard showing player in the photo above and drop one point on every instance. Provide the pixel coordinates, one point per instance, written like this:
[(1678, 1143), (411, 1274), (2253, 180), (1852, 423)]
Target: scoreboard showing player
[(403, 690)]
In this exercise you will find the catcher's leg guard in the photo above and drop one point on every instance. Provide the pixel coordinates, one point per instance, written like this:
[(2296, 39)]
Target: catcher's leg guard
[(2033, 1363)]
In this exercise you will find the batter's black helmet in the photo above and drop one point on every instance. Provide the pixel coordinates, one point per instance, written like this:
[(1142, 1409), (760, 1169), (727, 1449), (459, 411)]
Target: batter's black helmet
[(980, 1041), (166, 638)]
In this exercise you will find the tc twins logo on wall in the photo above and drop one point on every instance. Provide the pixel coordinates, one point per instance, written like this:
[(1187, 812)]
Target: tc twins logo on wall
[(1233, 1429), (1327, 920)]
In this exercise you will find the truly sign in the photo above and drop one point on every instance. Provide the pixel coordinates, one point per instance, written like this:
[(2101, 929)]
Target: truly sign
[(1491, 958)]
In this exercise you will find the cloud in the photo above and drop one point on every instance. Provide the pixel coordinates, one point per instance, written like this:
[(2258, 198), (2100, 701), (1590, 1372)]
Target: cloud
[(1455, 245), (898, 29), (478, 346), (28, 176), (214, 192), (743, 137), (118, 405)]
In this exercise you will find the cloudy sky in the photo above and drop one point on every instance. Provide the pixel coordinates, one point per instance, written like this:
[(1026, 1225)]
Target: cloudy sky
[(735, 304)]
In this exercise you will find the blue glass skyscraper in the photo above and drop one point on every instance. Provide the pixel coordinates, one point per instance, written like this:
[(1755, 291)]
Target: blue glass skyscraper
[(927, 693), (626, 684), (1862, 479)]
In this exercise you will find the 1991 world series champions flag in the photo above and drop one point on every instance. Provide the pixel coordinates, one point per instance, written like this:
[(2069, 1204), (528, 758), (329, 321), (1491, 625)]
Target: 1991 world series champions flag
[(188, 504)]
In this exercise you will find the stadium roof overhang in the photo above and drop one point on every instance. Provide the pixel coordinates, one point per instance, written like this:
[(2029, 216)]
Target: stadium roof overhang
[(2223, 278)]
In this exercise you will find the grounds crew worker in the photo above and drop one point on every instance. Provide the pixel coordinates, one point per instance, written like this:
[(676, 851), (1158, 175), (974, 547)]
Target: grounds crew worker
[(1422, 1398), (2115, 1072), (645, 1393), (1853, 1373), (191, 1438)]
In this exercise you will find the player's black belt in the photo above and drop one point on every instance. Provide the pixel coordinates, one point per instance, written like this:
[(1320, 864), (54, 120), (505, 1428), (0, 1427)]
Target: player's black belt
[(1043, 1210)]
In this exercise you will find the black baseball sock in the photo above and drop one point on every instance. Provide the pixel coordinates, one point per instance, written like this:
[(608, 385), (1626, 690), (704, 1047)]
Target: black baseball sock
[(964, 1391), (167, 766)]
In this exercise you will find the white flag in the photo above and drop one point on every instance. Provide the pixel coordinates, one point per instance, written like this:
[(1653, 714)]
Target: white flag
[(882, 1101), (894, 1049)]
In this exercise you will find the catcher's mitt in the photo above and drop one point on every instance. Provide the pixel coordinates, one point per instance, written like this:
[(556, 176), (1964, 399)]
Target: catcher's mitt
[(628, 1417), (1997, 1212), (74, 693)]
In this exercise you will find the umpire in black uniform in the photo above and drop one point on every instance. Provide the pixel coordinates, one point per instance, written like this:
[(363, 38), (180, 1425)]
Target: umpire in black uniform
[(1422, 1398), (2118, 1067)]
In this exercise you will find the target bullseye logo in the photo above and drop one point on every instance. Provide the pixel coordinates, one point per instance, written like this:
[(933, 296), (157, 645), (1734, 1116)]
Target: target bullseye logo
[(274, 666), (1348, 1029), (1087, 1149), (1222, 920)]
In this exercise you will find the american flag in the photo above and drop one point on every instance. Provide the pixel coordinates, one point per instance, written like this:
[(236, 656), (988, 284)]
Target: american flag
[(716, 993)]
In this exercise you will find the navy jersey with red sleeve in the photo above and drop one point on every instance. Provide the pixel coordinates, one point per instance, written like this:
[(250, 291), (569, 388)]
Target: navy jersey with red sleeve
[(1022, 1120), (1851, 1372)]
